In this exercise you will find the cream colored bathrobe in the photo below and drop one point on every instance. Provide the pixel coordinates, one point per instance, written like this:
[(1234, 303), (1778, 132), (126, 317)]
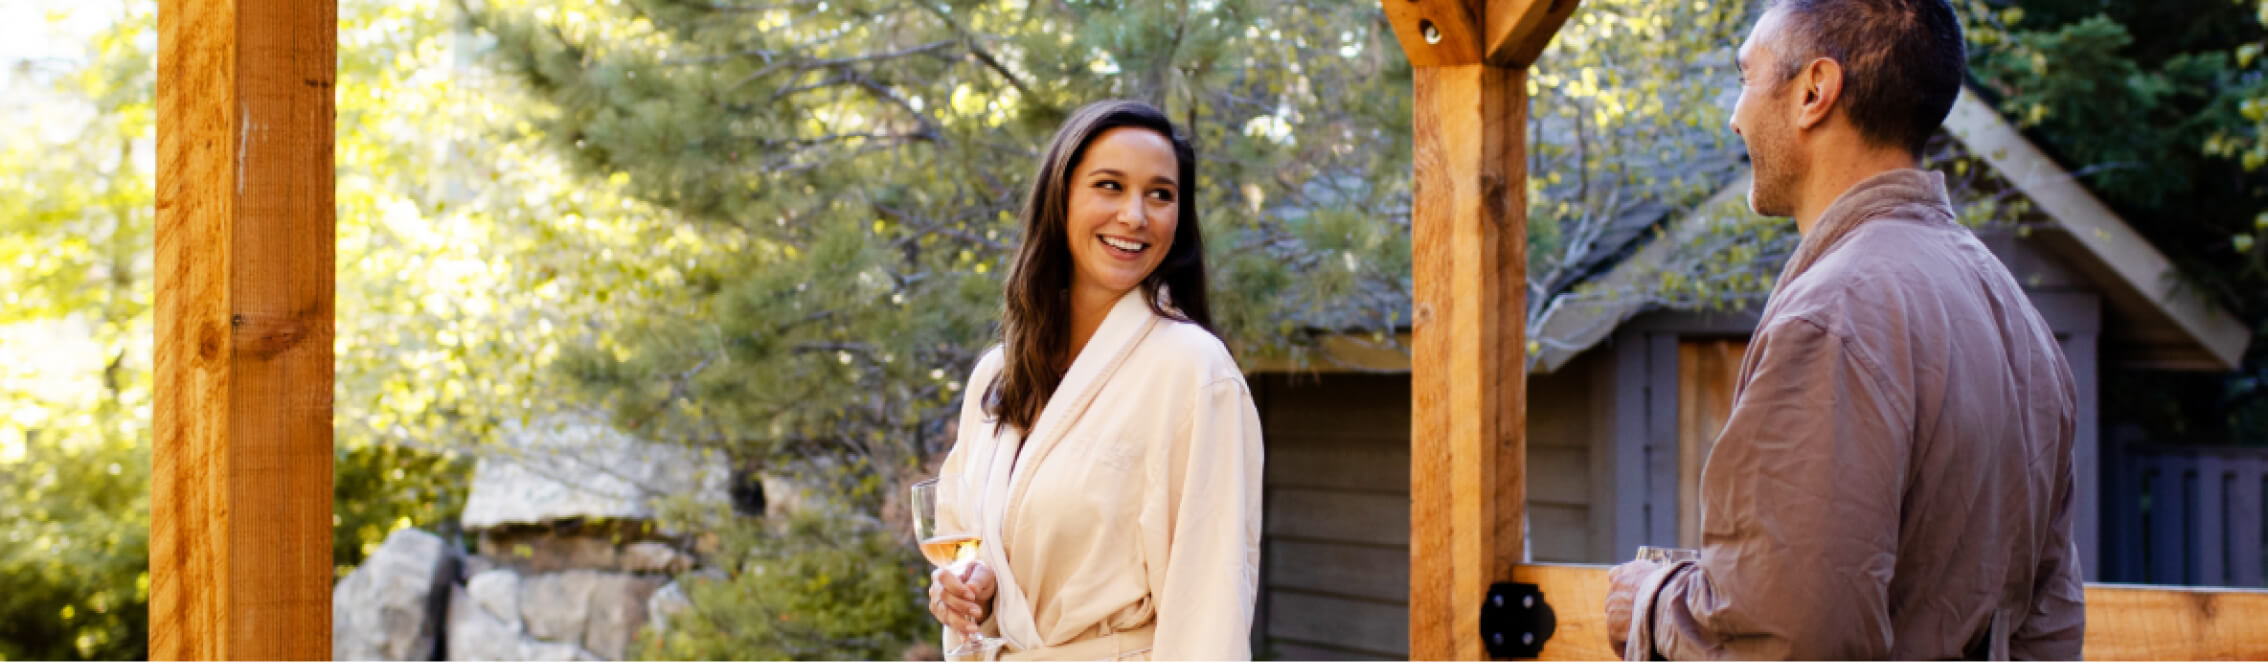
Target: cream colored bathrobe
[(1130, 518)]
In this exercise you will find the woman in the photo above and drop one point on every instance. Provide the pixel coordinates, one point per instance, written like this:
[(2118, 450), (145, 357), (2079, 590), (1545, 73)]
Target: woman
[(1109, 453)]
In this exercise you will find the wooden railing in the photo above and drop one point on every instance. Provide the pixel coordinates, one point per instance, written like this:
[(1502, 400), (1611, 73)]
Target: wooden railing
[(2187, 515), (2124, 622)]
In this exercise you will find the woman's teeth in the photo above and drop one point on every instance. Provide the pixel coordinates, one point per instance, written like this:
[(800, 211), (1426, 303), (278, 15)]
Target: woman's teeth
[(1124, 245)]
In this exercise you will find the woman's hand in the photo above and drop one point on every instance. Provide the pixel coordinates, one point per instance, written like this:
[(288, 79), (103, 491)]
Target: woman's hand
[(961, 595)]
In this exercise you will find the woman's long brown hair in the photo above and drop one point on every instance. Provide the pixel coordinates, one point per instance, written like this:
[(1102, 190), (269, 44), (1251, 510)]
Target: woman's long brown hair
[(1035, 326)]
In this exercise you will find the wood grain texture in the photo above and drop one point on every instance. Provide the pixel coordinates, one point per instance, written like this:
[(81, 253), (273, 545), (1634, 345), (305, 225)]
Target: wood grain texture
[(1577, 595), (1468, 372), (1708, 371), (240, 532), (2124, 622), (1518, 30)]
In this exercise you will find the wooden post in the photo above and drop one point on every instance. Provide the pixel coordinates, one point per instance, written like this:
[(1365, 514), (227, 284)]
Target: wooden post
[(240, 490), (1469, 248)]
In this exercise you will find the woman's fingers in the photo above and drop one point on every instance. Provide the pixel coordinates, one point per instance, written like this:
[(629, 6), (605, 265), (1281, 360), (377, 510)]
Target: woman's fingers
[(952, 602), (980, 582)]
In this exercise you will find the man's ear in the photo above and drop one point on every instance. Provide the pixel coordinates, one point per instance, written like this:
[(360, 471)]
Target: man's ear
[(1821, 84)]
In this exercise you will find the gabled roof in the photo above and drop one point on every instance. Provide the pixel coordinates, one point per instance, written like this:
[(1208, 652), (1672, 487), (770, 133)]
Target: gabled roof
[(2155, 323), (2169, 327)]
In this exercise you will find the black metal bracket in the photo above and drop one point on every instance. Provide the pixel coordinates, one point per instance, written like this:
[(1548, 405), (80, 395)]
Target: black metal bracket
[(1515, 621)]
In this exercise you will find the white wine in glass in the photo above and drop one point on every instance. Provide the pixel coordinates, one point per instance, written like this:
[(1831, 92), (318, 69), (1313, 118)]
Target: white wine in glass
[(951, 550), (946, 550)]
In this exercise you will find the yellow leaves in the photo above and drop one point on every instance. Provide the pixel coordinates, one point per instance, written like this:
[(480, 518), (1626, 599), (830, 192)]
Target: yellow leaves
[(965, 100)]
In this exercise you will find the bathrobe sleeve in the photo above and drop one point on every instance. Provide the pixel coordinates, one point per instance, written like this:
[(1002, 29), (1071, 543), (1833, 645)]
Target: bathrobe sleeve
[(960, 477), (1211, 572), (1797, 553)]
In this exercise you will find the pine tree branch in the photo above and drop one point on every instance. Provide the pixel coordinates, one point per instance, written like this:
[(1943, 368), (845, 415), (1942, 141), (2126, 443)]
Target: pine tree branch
[(977, 51)]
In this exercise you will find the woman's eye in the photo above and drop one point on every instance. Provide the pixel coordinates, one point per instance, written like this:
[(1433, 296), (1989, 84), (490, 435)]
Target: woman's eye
[(1162, 195), (1106, 184)]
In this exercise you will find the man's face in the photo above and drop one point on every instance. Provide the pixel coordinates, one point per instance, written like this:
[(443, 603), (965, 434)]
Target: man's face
[(1764, 119)]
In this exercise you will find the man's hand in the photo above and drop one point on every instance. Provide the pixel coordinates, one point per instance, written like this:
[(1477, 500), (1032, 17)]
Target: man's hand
[(1622, 590)]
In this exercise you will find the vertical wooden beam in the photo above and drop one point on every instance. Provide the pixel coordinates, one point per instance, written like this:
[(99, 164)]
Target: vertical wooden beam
[(1469, 247), (240, 494), (1468, 415)]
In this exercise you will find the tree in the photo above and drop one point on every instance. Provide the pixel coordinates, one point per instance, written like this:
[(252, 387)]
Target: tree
[(453, 299), (74, 455), (2157, 108)]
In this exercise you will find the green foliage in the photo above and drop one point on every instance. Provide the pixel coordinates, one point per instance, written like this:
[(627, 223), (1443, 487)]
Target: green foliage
[(2106, 112), (815, 587), (74, 454), (2157, 107), (451, 301), (75, 513), (378, 489)]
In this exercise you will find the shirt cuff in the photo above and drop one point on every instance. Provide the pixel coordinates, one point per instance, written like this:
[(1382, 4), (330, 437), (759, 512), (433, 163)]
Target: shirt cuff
[(1642, 646)]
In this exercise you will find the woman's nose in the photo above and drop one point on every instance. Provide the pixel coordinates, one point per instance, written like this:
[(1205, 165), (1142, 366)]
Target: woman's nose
[(1133, 213)]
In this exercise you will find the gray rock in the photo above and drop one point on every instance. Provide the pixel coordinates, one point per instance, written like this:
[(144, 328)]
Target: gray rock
[(391, 607), (654, 557), (551, 651), (474, 565), (566, 467), (556, 606), (665, 603), (475, 634), (618, 609), (498, 593), (782, 497)]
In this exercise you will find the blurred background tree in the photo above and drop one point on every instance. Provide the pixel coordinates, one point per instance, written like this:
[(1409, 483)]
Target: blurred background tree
[(2159, 108), (459, 280), (74, 456)]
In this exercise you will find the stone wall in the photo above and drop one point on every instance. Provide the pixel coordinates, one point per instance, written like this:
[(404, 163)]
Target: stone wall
[(568, 594)]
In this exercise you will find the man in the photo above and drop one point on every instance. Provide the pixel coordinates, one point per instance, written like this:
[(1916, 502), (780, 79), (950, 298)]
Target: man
[(1895, 480)]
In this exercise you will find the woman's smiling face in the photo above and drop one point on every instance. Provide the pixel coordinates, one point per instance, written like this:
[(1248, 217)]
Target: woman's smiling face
[(1124, 206)]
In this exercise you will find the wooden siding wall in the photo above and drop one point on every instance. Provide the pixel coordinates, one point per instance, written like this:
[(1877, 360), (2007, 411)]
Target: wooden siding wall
[(1708, 371), (1335, 550)]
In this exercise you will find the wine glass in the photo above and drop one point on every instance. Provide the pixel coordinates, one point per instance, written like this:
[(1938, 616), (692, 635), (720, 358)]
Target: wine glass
[(952, 550), (1667, 555)]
